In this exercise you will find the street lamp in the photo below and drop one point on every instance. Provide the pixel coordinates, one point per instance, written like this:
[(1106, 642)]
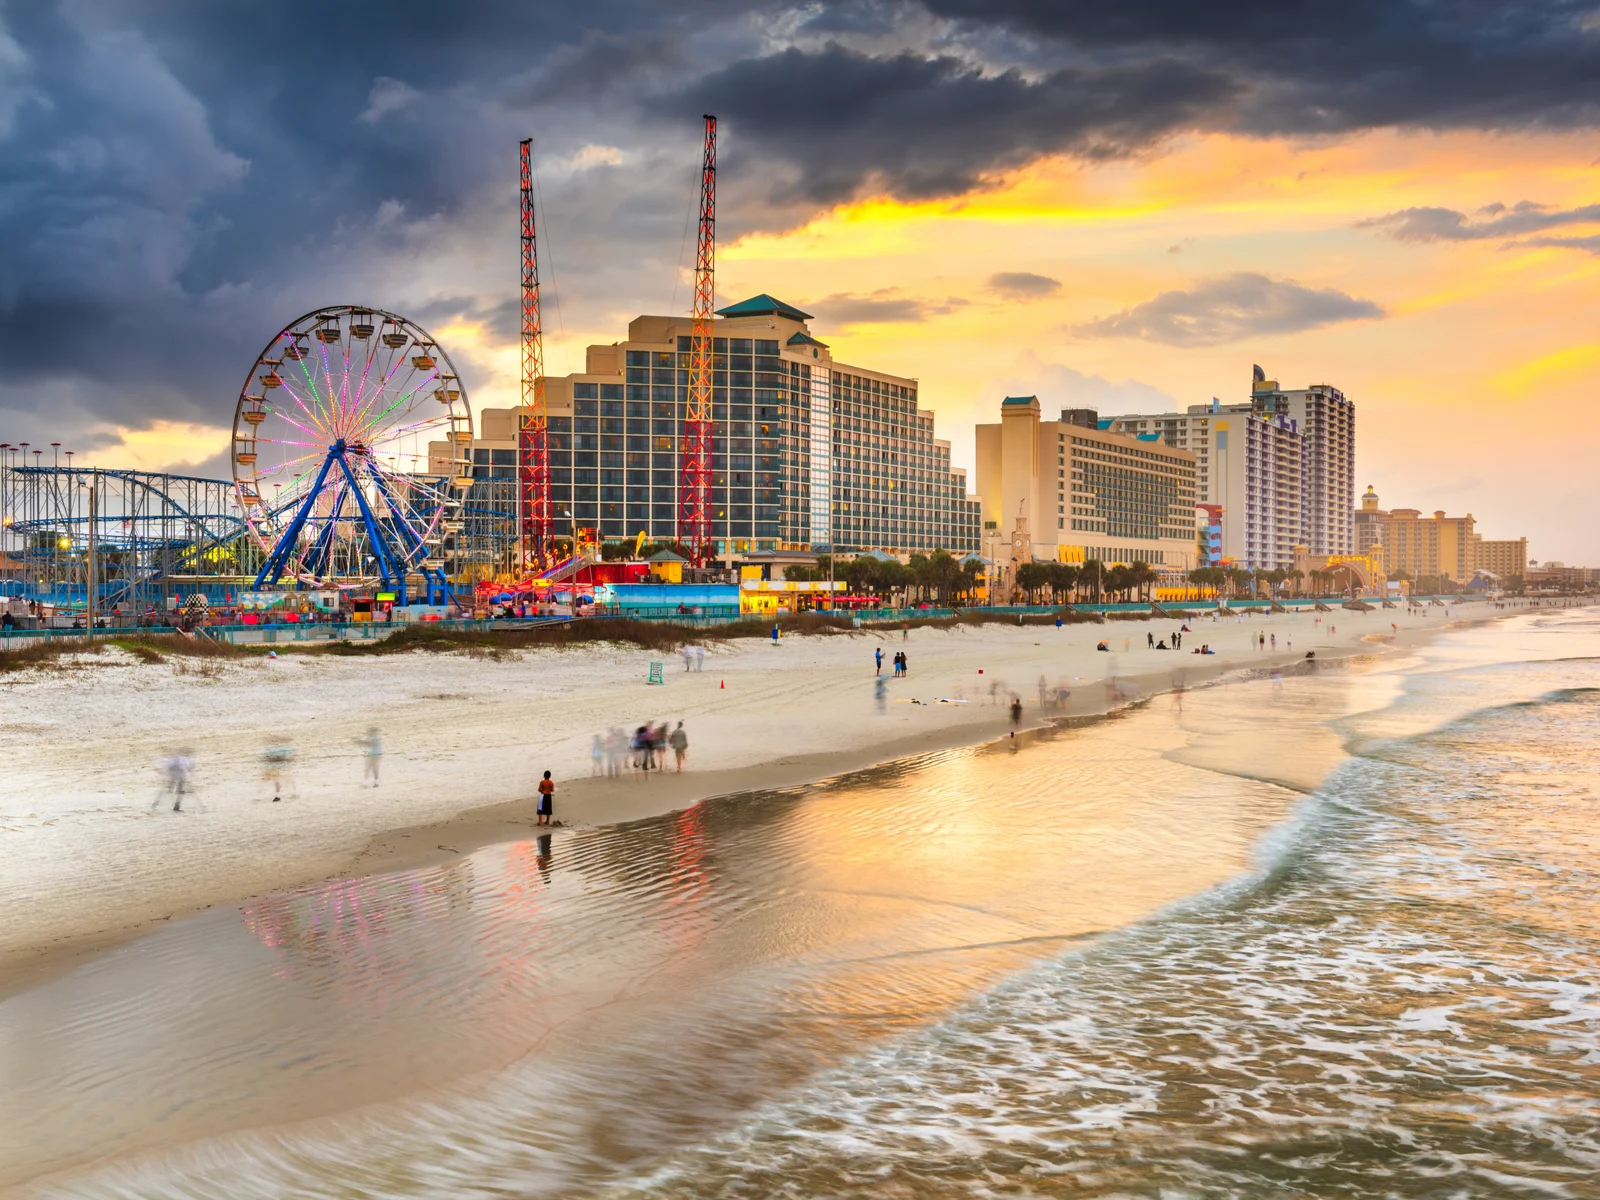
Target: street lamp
[(90, 580)]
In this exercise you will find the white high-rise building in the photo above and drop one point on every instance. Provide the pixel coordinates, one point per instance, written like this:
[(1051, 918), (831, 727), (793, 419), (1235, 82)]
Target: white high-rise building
[(1247, 462), (1327, 420)]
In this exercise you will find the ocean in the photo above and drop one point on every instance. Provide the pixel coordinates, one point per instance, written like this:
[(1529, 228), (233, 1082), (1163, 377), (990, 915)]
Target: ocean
[(1335, 934)]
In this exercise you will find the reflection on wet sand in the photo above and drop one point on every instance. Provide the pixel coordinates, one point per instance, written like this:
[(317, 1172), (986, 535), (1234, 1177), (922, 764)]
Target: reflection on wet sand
[(538, 1016)]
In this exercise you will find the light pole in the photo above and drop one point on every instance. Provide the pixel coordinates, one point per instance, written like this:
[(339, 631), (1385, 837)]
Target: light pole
[(93, 546)]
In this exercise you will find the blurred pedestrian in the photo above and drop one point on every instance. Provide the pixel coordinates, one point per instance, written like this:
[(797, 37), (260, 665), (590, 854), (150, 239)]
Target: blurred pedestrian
[(277, 765), (680, 744), (1016, 711), (373, 744), (175, 770)]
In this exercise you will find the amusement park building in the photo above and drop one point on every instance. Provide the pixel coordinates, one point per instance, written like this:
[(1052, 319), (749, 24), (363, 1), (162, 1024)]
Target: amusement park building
[(808, 453)]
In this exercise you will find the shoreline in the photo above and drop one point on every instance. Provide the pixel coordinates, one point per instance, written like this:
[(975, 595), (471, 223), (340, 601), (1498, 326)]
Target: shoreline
[(589, 802)]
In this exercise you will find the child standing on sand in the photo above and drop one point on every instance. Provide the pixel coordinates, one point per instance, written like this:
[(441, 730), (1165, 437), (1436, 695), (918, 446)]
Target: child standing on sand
[(547, 800)]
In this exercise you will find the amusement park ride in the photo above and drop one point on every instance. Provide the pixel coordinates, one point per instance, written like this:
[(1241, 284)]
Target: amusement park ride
[(331, 454), (694, 488), (353, 473)]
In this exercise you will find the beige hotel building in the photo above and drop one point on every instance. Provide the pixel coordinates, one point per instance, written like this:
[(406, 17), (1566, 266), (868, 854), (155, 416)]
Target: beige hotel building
[(1072, 490)]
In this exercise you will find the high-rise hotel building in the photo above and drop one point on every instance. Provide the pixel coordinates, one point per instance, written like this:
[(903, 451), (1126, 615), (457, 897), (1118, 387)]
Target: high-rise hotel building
[(1282, 468), (1326, 418), (1247, 464), (807, 453)]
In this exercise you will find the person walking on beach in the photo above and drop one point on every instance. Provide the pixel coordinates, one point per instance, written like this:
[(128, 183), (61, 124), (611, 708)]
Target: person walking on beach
[(175, 779), (679, 741), (547, 799), (372, 743), (1150, 641), (688, 657), (276, 763), (1016, 711), (877, 661), (905, 664), (699, 658), (880, 693)]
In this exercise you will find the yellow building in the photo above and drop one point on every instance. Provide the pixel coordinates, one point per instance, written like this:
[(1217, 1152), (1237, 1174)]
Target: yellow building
[(1436, 545), (1504, 558), (1360, 573)]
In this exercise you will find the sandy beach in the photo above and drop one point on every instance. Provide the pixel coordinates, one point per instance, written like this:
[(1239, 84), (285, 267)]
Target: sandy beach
[(93, 854)]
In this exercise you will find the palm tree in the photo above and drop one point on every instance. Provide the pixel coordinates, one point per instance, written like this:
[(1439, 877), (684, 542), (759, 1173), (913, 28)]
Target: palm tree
[(1057, 579), (1092, 576), (1142, 575), (1030, 577)]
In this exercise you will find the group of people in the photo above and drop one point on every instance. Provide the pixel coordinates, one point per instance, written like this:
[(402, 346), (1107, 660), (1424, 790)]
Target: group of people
[(694, 658), (902, 666), (645, 751), (1176, 638)]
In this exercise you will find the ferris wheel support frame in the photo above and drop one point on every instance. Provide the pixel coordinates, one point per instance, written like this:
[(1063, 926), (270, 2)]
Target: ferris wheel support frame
[(278, 561)]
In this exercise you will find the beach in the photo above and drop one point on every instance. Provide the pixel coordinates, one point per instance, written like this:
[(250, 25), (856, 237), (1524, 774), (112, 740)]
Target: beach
[(94, 855), (1171, 929)]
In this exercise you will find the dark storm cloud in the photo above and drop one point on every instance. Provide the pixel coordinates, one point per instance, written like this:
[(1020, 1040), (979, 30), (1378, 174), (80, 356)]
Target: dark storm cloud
[(1230, 308), (1023, 285), (887, 306), (1494, 221), (179, 178), (1308, 66), (918, 126)]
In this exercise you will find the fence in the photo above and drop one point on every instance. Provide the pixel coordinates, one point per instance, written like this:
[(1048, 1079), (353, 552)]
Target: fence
[(248, 635)]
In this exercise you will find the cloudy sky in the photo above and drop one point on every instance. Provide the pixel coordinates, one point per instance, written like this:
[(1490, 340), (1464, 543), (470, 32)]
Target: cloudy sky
[(1115, 204)]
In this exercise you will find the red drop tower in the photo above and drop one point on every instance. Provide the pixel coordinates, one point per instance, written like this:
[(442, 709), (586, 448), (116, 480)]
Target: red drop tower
[(533, 425), (694, 487)]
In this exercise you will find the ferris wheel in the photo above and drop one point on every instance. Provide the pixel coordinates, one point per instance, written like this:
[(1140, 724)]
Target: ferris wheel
[(352, 449)]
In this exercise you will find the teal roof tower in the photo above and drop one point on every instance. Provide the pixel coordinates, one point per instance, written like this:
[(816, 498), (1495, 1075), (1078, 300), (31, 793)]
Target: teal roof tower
[(763, 306)]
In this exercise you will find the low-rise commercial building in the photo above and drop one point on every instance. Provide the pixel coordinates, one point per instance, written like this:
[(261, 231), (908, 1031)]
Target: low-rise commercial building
[(1074, 489)]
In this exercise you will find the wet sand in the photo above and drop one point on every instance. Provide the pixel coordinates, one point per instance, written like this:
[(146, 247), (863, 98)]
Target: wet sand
[(319, 843), (535, 1016)]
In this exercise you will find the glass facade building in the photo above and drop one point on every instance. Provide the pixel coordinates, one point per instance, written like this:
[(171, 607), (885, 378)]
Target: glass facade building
[(807, 454)]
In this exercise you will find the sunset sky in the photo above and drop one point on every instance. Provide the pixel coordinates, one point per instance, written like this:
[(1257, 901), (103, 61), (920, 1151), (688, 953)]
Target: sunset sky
[(1117, 205)]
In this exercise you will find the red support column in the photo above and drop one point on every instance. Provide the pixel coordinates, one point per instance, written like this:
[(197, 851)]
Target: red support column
[(533, 426), (695, 504)]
